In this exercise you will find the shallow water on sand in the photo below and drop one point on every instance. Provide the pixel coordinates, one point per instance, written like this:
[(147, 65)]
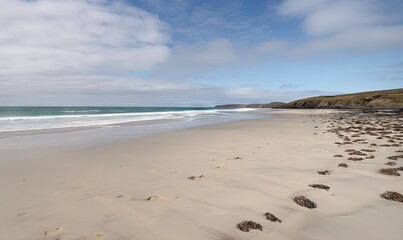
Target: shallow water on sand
[(25, 136)]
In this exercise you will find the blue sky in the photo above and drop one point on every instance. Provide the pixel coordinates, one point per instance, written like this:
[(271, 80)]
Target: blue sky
[(194, 52)]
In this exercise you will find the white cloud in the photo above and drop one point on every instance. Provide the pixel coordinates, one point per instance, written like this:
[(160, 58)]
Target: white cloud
[(190, 59), (368, 38), (289, 85), (344, 25), (270, 46), (130, 91), (215, 53), (298, 7), (340, 16), (47, 37)]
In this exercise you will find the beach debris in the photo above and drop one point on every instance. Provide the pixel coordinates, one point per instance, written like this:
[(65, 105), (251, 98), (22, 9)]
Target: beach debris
[(304, 202), (338, 155), (390, 163), (320, 186), (355, 158), (343, 165), (192, 178), (389, 171), (324, 172), (52, 231), (237, 158), (368, 150), (271, 217), (392, 196), (370, 157), (152, 198), (359, 153), (392, 158), (396, 157), (246, 226)]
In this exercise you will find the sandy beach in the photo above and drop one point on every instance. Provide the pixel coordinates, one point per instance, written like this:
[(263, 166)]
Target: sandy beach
[(199, 183)]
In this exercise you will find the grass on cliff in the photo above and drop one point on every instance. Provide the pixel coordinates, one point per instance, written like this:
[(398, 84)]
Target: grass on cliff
[(375, 99)]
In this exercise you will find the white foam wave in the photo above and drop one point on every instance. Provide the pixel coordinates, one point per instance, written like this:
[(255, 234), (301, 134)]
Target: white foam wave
[(80, 111), (20, 123)]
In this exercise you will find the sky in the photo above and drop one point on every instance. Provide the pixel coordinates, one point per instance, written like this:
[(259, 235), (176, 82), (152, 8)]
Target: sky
[(195, 52)]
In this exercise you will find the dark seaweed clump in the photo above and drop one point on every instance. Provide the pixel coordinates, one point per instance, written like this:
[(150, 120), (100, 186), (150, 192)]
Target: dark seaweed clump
[(390, 171), (304, 202), (392, 196), (271, 217), (246, 226), (324, 172), (320, 186)]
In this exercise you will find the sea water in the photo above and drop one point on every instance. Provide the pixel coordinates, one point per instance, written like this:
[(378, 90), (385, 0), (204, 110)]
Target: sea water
[(28, 132)]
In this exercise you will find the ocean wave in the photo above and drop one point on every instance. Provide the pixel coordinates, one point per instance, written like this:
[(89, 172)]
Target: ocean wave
[(21, 123), (81, 111), (187, 112)]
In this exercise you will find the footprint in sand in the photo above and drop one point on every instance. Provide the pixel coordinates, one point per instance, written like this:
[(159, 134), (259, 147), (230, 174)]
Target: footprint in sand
[(96, 194), (95, 237), (61, 238), (161, 171), (52, 231), (22, 214)]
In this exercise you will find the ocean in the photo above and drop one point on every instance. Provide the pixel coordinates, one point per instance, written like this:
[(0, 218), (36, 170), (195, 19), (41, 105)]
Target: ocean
[(37, 118), (28, 131)]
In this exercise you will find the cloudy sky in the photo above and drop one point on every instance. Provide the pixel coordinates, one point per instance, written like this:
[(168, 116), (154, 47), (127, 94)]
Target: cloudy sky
[(195, 52)]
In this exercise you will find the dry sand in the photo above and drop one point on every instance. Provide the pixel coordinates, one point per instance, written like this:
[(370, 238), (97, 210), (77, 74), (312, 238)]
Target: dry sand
[(141, 189)]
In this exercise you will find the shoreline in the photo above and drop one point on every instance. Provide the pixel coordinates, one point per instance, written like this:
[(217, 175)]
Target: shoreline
[(142, 188), (31, 144)]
